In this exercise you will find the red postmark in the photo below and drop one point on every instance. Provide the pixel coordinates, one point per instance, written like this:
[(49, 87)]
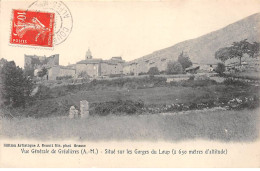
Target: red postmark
[(32, 28)]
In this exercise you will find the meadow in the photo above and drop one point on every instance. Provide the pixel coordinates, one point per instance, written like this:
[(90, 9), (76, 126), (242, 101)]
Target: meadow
[(50, 102), (142, 111), (220, 125)]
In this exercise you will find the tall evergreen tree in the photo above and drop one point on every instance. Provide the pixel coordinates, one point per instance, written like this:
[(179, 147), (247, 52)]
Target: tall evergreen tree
[(16, 87), (184, 60)]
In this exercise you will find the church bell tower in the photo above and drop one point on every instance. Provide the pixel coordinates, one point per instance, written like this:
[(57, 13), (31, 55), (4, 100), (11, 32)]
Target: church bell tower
[(88, 55)]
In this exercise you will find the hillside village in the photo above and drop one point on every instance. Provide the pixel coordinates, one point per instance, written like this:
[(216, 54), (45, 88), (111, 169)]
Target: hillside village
[(201, 52), (95, 67), (89, 67)]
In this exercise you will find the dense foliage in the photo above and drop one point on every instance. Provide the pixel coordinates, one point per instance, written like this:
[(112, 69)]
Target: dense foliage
[(238, 50), (220, 68), (153, 71), (184, 60), (174, 68), (17, 87)]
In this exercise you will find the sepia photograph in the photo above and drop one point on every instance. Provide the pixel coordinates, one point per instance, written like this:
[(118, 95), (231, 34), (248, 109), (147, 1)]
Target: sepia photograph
[(87, 72)]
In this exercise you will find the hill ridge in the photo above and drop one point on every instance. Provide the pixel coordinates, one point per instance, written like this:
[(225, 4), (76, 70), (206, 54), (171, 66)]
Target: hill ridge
[(202, 48)]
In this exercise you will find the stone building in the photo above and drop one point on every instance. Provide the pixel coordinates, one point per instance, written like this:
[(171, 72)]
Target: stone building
[(32, 62), (143, 65), (114, 66), (95, 67), (51, 63), (126, 69), (60, 71), (91, 66)]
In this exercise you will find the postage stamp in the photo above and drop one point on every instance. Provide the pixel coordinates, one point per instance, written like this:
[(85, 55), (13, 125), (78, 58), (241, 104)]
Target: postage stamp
[(63, 19), (32, 28)]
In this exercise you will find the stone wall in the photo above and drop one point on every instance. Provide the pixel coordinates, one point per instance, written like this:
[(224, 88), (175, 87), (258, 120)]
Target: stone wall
[(67, 72), (60, 71), (126, 69), (92, 69), (53, 73)]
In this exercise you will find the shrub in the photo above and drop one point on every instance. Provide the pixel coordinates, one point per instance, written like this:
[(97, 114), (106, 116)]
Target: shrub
[(197, 83), (142, 73), (192, 77), (44, 92), (184, 60), (174, 68), (115, 75), (220, 68), (162, 72), (128, 82), (29, 72), (234, 82), (118, 107), (42, 72), (66, 77), (153, 71), (202, 77), (83, 74)]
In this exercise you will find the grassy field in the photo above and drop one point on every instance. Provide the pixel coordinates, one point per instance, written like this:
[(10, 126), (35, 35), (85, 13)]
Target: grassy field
[(164, 95), (219, 125), (246, 75), (157, 95)]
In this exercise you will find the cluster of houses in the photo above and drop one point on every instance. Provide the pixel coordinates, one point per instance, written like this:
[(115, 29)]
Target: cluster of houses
[(96, 67), (92, 67)]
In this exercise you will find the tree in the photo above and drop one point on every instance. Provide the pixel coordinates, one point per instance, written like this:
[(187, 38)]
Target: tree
[(153, 71), (42, 72), (83, 74), (254, 49), (16, 86), (238, 50), (223, 54), (174, 68), (29, 72), (184, 60), (2, 62), (220, 68)]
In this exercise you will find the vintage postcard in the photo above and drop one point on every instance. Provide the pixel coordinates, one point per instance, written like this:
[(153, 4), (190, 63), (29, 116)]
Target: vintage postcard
[(129, 83)]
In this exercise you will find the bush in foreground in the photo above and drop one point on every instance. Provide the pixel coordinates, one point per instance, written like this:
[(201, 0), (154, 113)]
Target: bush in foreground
[(66, 77), (194, 83), (234, 82), (118, 107)]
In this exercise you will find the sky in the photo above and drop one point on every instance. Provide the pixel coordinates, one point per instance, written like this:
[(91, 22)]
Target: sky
[(130, 29)]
